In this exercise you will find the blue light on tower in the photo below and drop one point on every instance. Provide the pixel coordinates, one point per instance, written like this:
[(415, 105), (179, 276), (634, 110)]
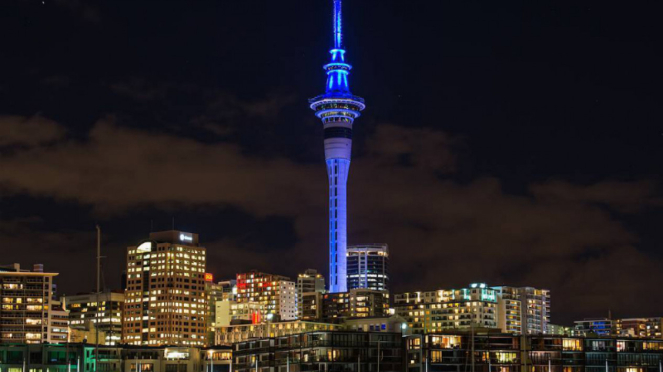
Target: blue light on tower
[(337, 109)]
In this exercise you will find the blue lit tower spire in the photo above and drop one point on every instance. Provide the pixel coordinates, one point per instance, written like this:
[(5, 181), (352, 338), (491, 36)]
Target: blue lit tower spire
[(337, 109)]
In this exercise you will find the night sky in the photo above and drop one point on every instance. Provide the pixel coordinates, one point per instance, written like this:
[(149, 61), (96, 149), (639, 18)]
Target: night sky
[(512, 143)]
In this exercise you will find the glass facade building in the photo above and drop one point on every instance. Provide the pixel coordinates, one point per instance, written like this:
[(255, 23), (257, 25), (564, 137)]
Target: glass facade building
[(368, 267)]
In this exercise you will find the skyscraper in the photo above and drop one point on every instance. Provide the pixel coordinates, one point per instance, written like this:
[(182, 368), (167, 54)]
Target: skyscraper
[(165, 301), (337, 109), (368, 267)]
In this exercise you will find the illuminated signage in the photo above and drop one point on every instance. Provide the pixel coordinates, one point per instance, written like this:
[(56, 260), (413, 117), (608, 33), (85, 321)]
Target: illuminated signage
[(209, 277), (186, 237)]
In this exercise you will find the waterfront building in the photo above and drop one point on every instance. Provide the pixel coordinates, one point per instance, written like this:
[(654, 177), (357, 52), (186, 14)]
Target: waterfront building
[(321, 351), (229, 335), (77, 357), (453, 309), (480, 351), (517, 310), (56, 357)]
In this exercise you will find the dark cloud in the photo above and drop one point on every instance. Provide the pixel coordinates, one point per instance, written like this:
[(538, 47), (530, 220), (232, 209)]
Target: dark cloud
[(28, 131), (625, 196), (119, 168)]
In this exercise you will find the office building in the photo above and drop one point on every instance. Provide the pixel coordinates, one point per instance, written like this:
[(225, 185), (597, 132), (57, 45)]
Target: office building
[(322, 351), (165, 301), (337, 108), (534, 307), (91, 313), (357, 303), (307, 283), (26, 311), (368, 267), (275, 293)]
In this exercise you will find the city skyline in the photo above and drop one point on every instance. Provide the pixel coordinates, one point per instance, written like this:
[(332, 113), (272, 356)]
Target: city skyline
[(497, 147)]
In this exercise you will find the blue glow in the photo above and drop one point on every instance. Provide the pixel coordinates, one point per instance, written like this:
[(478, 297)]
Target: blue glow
[(337, 107), (338, 25)]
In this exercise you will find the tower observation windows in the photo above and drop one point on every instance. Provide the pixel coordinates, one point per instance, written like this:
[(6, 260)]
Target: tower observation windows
[(338, 132)]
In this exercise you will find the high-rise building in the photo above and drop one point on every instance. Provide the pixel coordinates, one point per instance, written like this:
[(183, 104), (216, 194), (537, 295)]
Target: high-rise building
[(337, 108), (534, 307), (276, 294), (368, 267), (308, 282), (165, 301), (26, 298), (91, 313)]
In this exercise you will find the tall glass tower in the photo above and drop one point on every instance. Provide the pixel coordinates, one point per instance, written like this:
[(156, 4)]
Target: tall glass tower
[(337, 109)]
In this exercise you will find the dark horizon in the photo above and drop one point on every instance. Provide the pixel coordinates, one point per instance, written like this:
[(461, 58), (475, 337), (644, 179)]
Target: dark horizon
[(511, 144)]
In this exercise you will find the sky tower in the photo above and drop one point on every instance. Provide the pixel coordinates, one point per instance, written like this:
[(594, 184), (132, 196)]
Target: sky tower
[(337, 109)]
